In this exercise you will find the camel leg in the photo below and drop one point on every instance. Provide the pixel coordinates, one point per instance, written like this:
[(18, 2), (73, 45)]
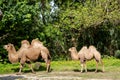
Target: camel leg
[(82, 67), (21, 67), (85, 67), (96, 66), (22, 62), (47, 65), (30, 65), (46, 59)]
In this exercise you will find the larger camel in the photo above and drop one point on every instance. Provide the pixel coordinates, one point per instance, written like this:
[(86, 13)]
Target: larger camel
[(26, 55), (35, 51), (86, 54)]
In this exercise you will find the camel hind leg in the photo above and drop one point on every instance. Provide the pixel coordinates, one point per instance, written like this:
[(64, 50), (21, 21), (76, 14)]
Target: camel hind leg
[(45, 56), (47, 61), (101, 62)]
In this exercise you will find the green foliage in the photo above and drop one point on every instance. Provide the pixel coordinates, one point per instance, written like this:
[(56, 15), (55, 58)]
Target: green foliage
[(90, 20), (61, 24), (117, 54)]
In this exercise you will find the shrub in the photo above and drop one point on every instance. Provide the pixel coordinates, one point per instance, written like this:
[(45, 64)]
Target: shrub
[(117, 54)]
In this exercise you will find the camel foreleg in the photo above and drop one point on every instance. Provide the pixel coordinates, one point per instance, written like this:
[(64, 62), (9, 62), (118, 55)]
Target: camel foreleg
[(21, 67), (82, 65), (85, 67), (30, 65)]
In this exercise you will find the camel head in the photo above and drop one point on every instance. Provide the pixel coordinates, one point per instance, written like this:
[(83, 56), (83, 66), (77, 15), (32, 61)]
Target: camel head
[(12, 56), (74, 53), (25, 43), (9, 47), (72, 49)]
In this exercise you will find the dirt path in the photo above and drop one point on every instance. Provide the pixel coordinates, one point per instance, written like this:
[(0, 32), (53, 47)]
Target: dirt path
[(58, 76)]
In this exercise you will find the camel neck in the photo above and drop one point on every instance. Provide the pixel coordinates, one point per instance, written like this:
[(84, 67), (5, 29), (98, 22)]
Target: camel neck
[(74, 55)]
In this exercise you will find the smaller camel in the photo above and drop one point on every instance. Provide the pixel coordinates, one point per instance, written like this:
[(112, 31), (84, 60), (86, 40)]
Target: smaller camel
[(86, 54)]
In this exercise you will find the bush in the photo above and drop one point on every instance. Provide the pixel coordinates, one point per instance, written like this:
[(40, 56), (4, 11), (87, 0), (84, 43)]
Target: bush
[(117, 54)]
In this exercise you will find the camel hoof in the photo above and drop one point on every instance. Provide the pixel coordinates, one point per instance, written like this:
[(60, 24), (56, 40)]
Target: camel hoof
[(103, 71), (34, 72), (18, 73), (47, 71), (95, 71), (81, 71)]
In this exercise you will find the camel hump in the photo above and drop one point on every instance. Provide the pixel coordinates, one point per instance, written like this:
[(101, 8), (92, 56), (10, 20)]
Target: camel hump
[(92, 47), (95, 52), (83, 50)]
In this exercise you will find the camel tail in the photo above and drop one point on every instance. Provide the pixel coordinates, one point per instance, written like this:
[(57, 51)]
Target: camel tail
[(49, 56)]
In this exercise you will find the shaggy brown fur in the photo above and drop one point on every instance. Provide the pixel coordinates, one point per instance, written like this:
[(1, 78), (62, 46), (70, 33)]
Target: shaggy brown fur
[(24, 46), (44, 52), (12, 54), (28, 53), (86, 54), (16, 56), (36, 50)]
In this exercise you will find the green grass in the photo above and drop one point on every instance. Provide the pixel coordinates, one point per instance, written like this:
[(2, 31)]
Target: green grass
[(111, 64)]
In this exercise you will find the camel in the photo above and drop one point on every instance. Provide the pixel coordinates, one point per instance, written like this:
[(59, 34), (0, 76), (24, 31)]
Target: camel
[(36, 50), (27, 54), (16, 56), (86, 54)]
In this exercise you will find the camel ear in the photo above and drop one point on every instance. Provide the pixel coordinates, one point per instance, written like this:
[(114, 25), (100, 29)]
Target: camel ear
[(69, 49), (36, 39), (9, 43)]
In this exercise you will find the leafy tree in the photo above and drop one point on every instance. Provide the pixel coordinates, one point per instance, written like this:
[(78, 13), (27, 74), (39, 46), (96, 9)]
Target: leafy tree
[(61, 24)]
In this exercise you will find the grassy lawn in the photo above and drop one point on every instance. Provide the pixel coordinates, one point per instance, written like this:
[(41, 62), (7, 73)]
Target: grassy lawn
[(112, 68)]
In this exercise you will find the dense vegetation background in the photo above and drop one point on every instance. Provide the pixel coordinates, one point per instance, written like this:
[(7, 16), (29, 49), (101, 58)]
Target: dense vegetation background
[(61, 24)]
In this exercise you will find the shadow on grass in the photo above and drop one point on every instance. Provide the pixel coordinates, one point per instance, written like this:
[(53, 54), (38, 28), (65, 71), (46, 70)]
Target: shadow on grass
[(11, 77), (37, 67), (88, 70)]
